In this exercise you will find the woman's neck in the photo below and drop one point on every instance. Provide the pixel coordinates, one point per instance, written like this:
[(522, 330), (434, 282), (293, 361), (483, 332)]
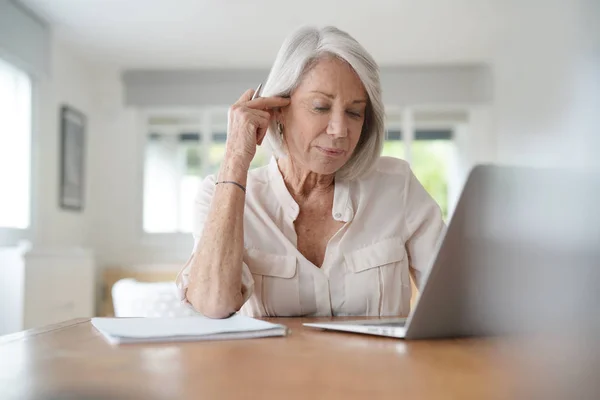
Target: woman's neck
[(303, 183)]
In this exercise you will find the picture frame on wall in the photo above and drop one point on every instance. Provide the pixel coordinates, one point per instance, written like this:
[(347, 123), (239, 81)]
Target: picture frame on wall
[(73, 124)]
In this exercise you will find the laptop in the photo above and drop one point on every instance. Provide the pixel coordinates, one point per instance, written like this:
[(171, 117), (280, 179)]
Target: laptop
[(520, 254)]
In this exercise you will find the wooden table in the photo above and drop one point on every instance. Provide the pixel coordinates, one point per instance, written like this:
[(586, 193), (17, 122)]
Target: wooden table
[(71, 360)]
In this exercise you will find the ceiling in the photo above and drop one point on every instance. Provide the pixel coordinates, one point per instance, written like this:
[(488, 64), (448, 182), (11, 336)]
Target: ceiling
[(245, 34)]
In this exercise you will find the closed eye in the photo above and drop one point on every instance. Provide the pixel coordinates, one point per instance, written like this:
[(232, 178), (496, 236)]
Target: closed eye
[(355, 114)]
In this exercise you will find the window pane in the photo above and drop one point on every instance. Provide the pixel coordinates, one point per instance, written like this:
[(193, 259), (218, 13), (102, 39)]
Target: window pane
[(217, 153), (261, 158), (215, 157), (175, 164), (163, 169), (15, 147), (393, 148), (189, 188), (431, 162)]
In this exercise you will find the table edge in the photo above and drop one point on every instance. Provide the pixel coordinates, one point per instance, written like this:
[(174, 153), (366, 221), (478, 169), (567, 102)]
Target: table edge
[(24, 335)]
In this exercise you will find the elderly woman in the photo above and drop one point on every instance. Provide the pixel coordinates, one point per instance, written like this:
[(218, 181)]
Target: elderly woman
[(329, 227)]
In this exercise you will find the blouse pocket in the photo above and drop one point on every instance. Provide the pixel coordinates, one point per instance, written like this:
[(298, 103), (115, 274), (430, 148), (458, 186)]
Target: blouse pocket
[(276, 286), (378, 281)]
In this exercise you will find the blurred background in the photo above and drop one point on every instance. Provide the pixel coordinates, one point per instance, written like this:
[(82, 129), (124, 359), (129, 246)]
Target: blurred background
[(111, 112)]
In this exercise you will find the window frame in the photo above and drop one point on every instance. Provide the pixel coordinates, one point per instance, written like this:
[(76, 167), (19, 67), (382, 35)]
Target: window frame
[(167, 239)]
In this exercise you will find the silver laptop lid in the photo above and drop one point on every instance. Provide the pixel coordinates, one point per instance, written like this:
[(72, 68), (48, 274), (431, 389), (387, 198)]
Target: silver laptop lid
[(522, 252)]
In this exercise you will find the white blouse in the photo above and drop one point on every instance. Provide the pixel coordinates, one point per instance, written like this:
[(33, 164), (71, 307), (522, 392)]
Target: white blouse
[(392, 226)]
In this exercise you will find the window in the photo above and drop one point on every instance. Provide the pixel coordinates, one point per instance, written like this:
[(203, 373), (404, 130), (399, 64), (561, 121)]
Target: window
[(15, 147), (430, 150), (183, 148), (431, 153), (180, 151)]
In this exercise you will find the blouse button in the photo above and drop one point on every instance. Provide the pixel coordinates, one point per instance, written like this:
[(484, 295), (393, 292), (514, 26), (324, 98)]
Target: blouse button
[(338, 215)]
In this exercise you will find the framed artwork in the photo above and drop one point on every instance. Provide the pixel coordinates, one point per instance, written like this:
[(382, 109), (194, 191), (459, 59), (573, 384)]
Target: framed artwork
[(72, 158)]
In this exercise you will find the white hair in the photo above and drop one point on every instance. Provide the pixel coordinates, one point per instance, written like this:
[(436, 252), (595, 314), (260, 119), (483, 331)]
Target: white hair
[(298, 54)]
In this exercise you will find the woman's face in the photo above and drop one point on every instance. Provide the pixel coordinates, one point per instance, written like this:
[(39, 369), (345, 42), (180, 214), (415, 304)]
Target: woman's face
[(323, 123)]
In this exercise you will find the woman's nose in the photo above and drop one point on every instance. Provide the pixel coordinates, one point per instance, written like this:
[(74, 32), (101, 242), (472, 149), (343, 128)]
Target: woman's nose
[(337, 126)]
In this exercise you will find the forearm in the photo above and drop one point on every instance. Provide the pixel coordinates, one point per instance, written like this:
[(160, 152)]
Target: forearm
[(215, 277), (216, 287)]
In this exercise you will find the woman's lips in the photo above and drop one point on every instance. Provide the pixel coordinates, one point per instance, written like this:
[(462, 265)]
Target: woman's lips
[(330, 151)]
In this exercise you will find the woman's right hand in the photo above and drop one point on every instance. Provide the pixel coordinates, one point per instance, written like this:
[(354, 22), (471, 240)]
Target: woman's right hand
[(247, 125)]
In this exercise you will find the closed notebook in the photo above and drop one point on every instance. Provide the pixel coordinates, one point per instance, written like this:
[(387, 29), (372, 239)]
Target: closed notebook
[(196, 328)]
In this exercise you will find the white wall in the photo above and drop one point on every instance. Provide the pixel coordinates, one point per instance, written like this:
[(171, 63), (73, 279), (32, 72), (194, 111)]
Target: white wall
[(24, 38), (475, 143), (586, 100), (116, 191), (402, 85), (70, 82), (545, 110), (111, 222)]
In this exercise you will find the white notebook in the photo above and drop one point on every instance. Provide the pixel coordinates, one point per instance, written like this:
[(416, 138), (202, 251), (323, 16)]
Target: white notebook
[(146, 330)]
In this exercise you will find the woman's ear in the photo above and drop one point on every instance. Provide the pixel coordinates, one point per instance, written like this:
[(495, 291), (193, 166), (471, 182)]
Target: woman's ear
[(278, 114)]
